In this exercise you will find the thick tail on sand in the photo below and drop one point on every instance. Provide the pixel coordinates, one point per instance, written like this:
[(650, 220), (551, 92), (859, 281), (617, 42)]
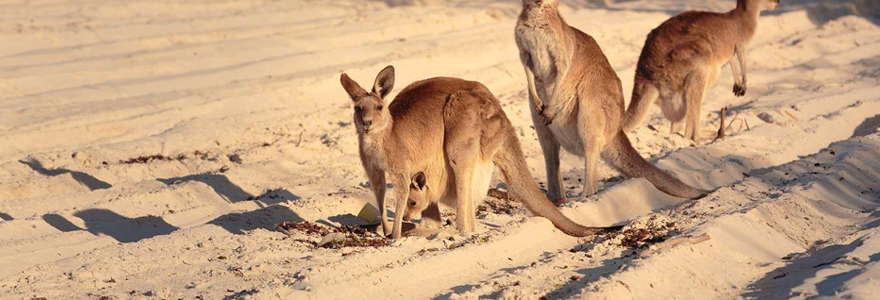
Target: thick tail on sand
[(622, 154), (522, 186)]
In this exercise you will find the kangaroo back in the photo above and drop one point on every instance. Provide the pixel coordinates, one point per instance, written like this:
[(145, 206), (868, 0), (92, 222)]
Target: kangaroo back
[(625, 158)]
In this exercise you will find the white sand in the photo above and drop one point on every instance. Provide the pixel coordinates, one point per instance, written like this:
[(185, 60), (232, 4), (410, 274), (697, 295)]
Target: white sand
[(246, 93)]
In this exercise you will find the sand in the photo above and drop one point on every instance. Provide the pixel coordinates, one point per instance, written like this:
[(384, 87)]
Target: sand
[(149, 148)]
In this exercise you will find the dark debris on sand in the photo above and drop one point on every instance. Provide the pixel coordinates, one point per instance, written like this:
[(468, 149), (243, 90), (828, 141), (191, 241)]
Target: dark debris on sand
[(144, 159), (306, 227), (499, 202), (354, 236), (635, 238), (356, 241)]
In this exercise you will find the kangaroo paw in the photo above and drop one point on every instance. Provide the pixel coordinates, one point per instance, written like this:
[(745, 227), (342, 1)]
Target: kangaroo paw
[(545, 114), (739, 90)]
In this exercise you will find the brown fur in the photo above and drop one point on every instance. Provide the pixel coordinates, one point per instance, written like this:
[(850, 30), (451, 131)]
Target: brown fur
[(582, 97), (450, 129), (682, 57)]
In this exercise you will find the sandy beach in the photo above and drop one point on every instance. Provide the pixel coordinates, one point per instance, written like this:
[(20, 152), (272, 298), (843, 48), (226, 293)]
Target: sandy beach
[(148, 149)]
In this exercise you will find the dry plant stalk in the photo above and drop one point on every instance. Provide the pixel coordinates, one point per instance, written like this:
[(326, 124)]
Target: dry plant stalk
[(721, 128), (790, 115)]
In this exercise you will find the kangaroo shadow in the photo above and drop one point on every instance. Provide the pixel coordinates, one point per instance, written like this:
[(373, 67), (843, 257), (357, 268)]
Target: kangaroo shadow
[(85, 179), (589, 275), (231, 192), (107, 222), (219, 183), (869, 126), (344, 219), (274, 196), (263, 218), (779, 283), (5, 217), (821, 12)]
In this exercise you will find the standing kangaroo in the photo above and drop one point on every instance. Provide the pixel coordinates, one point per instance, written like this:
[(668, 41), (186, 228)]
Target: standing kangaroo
[(577, 102), (682, 57), (452, 130)]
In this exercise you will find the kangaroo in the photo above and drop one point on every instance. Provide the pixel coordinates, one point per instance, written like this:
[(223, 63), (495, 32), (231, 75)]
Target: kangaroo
[(420, 199), (682, 57), (577, 102), (453, 130), (418, 202)]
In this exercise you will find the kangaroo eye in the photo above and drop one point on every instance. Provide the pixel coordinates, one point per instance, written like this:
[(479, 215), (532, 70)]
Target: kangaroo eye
[(412, 204), (379, 107), (358, 108)]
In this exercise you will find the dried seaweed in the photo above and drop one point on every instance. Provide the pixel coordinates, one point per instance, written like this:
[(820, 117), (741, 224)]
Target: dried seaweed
[(354, 236), (143, 159), (306, 227), (353, 240), (634, 238), (499, 202)]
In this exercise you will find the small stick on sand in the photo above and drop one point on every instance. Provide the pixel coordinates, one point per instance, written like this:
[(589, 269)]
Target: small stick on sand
[(496, 193), (693, 240), (299, 141), (790, 115), (741, 122)]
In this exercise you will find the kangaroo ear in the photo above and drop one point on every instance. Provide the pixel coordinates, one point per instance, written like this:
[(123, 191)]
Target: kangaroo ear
[(384, 82), (354, 90), (418, 181)]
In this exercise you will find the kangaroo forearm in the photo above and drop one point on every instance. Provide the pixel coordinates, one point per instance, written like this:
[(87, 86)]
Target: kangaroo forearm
[(742, 65), (526, 59), (533, 91), (734, 68), (741, 58), (401, 193)]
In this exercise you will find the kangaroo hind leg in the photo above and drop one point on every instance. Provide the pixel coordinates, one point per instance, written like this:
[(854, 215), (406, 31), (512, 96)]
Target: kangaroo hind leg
[(592, 131), (592, 151), (550, 148), (462, 146), (694, 87)]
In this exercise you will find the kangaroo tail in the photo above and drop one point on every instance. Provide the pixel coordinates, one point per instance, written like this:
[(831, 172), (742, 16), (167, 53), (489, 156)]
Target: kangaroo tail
[(522, 186), (625, 158), (644, 94)]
